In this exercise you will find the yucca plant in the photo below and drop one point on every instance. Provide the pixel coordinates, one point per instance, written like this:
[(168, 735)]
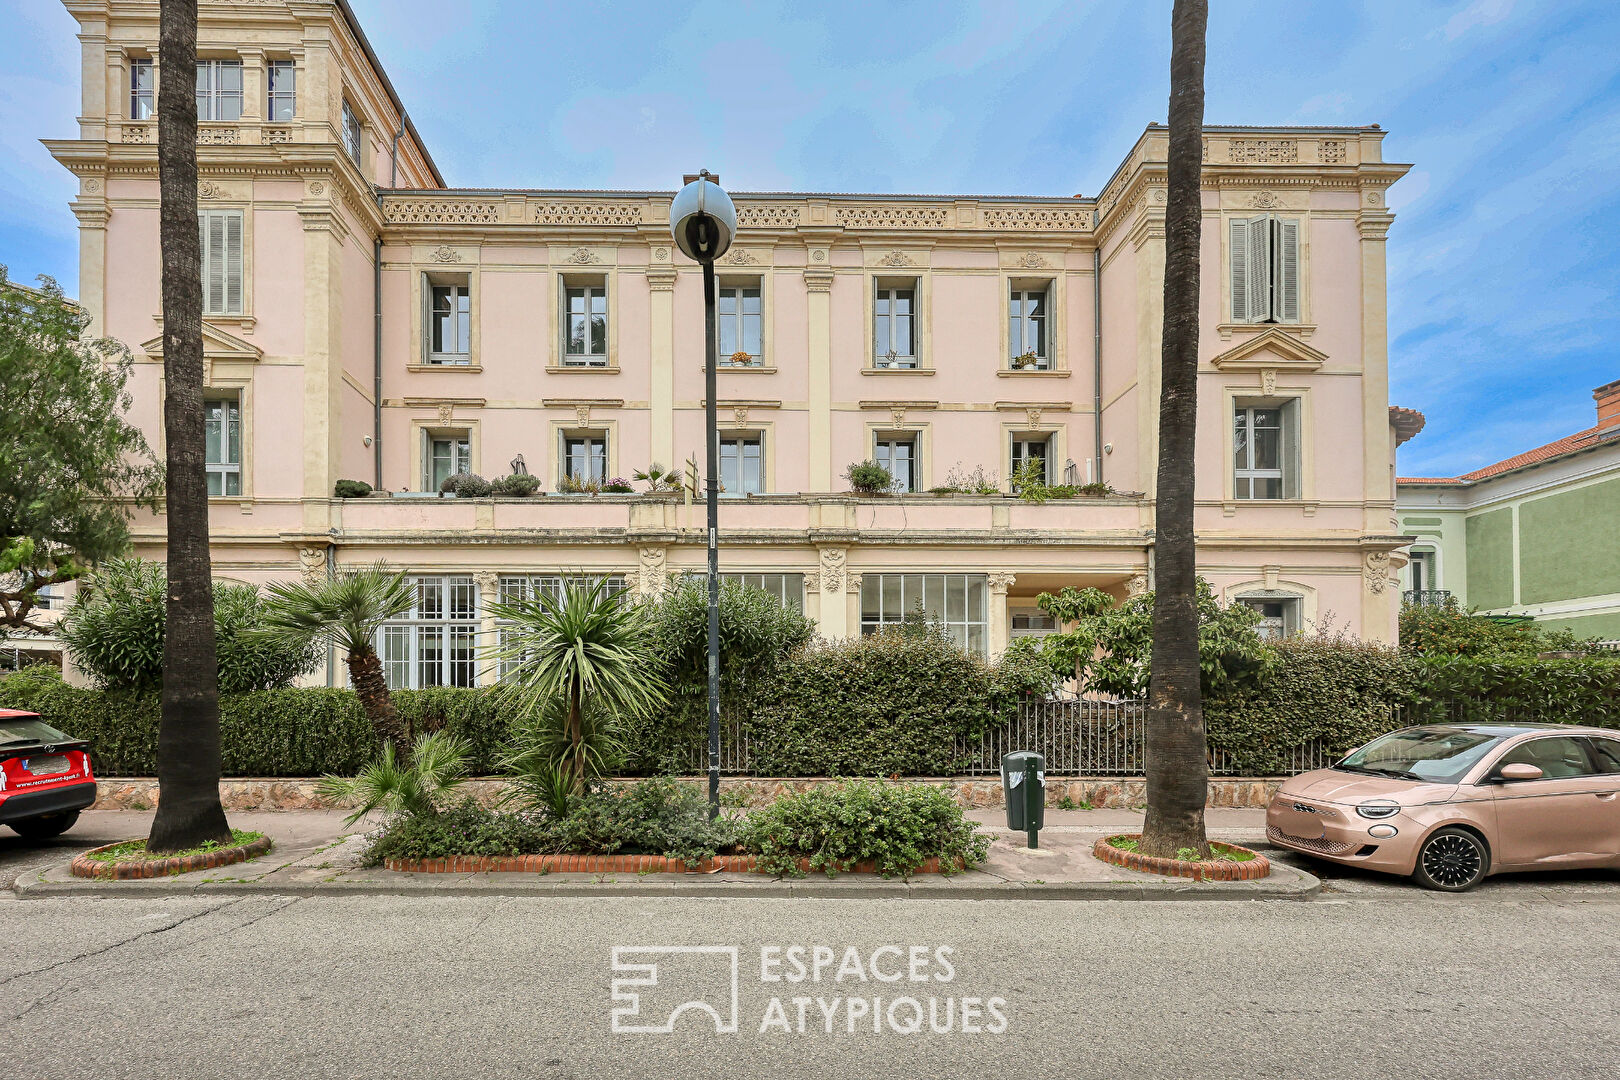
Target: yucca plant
[(542, 766), (422, 783), (586, 657), (346, 611)]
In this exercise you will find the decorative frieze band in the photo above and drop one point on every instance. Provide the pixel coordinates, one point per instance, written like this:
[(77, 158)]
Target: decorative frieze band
[(1036, 219), (440, 212), (569, 213), (893, 217)]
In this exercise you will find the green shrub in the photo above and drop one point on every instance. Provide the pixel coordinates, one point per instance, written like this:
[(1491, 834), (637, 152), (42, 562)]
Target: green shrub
[(351, 489), (835, 826), (516, 486), (1445, 629), (466, 485), (114, 631), (485, 722), (869, 478), (467, 829)]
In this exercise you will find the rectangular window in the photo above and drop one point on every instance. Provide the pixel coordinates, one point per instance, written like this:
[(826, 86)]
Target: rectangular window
[(221, 261), (788, 588), (449, 322), (585, 316), (894, 325), (742, 465), (1421, 569), (1265, 451), (1036, 448), (281, 95), (584, 458), (955, 601), (1279, 615), (547, 589), (741, 326), (1032, 624), (436, 642), (351, 134), (219, 90), (222, 424), (898, 454), (1265, 269), (443, 456), (1026, 330), (142, 89)]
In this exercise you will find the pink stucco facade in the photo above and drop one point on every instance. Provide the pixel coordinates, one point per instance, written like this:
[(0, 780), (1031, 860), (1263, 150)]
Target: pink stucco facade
[(300, 356)]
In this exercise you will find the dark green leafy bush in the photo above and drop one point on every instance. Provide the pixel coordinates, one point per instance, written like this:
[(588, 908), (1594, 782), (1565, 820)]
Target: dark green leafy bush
[(869, 478), (835, 826), (351, 489), (1445, 629), (516, 486)]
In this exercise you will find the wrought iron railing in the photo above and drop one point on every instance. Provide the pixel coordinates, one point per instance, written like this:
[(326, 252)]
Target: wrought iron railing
[(1427, 597)]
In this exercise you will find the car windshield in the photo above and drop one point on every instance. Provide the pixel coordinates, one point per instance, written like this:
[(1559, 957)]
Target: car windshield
[(26, 729), (1441, 754)]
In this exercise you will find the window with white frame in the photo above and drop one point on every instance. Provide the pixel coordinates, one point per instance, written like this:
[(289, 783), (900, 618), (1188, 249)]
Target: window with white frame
[(894, 324), (545, 589), (1264, 260), (897, 452), (1026, 329), (1279, 614), (741, 324), (788, 588), (955, 601), (351, 134), (585, 323), (444, 454), (1028, 448), (221, 261), (142, 89), (1034, 623), (1265, 451), (449, 332), (222, 440), (436, 642), (742, 464), (584, 457), (281, 90), (219, 90), (1420, 571)]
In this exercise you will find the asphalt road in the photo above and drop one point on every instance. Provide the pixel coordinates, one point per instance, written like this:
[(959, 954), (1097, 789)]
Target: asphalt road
[(1501, 984)]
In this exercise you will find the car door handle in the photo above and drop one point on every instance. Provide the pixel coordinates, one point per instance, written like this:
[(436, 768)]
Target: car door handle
[(1605, 794)]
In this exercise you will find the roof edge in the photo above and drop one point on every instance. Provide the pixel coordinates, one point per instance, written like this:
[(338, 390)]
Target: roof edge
[(388, 85)]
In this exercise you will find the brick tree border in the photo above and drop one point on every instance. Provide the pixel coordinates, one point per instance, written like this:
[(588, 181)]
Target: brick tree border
[(134, 869), (605, 864), (1198, 870)]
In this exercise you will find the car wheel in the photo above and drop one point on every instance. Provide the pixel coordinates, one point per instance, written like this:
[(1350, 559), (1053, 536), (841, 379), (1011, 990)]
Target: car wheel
[(45, 826), (1452, 860)]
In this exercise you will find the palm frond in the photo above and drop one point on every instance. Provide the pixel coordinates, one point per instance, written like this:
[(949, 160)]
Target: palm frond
[(421, 785), (345, 610)]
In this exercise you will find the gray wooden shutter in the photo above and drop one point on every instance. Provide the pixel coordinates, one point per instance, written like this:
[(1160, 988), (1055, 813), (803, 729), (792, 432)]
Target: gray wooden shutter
[(1239, 245), (1259, 269), (1287, 258), (1291, 457), (233, 261)]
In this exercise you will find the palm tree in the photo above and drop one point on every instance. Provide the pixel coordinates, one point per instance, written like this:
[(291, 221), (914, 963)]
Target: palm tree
[(345, 611), (188, 754), (419, 785), (1177, 762), (587, 656)]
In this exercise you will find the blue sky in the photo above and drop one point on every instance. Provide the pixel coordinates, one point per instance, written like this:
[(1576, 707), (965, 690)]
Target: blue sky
[(1504, 259)]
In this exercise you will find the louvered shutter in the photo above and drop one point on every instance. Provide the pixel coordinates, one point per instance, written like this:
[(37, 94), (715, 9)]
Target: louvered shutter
[(213, 261), (1259, 269), (233, 262), (1239, 246), (1287, 261)]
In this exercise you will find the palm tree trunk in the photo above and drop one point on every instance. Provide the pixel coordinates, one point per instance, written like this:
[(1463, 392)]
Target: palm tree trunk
[(576, 743), (371, 687), (188, 754), (1177, 751)]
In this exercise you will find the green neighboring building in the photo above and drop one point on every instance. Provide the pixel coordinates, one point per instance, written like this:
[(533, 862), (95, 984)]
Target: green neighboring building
[(1537, 534)]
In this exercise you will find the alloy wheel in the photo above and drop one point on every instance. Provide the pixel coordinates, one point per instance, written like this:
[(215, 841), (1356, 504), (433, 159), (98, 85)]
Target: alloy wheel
[(1453, 860)]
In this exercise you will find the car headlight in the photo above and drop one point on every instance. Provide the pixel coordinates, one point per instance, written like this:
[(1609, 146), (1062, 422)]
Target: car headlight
[(1378, 811)]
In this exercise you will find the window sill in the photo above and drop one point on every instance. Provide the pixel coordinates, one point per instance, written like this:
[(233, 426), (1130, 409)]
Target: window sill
[(1050, 373), (582, 369), (469, 369), (746, 369), (1304, 330), (897, 371)]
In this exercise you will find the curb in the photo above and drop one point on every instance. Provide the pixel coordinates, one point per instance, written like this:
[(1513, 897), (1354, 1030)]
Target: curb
[(84, 866), (1199, 870), (607, 864)]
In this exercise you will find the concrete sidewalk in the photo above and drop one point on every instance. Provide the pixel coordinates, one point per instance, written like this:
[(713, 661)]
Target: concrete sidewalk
[(315, 854)]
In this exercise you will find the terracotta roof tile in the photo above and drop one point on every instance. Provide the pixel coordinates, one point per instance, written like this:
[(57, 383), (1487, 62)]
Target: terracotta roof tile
[(1557, 448)]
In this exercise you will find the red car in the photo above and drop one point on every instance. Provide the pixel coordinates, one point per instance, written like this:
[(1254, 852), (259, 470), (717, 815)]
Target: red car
[(45, 777)]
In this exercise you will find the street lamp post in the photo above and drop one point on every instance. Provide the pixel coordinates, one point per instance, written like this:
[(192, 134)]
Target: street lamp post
[(703, 222)]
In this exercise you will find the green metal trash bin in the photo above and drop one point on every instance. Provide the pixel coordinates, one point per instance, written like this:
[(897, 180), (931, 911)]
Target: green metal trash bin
[(1023, 787)]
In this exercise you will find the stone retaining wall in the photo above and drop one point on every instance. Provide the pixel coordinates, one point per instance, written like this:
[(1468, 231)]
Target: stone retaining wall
[(1116, 793)]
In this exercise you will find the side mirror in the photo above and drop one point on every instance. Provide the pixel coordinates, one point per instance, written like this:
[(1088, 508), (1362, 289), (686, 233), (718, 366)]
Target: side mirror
[(1520, 771)]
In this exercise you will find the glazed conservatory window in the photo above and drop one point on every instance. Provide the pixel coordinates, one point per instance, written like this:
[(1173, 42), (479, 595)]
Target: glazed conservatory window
[(1265, 269), (894, 337), (219, 90), (436, 643), (742, 465), (955, 601), (1265, 453), (221, 261), (281, 99), (740, 326), (142, 89), (585, 316), (898, 454), (222, 420), (1026, 330), (547, 589)]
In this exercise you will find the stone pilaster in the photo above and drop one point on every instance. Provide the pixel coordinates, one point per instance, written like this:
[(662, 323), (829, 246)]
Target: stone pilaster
[(488, 582), (999, 621)]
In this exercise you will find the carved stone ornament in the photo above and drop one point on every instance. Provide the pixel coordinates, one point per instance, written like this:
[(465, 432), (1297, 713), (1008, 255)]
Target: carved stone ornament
[(661, 254), (832, 569), (1265, 200), (1376, 571), (739, 257), (1159, 195), (740, 414), (312, 565), (1031, 261), (447, 412), (317, 188), (852, 583), (1000, 582), (812, 582), (898, 414), (487, 581), (92, 185), (1268, 381), (444, 253), (896, 258), (207, 189), (1374, 198), (582, 257), (1033, 415), (651, 568), (818, 255), (582, 413), (1137, 586)]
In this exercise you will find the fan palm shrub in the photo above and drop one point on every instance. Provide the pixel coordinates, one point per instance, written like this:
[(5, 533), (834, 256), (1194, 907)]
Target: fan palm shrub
[(418, 784), (346, 611), (577, 663)]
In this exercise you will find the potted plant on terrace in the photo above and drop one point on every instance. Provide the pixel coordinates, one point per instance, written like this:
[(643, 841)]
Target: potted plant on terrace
[(869, 478)]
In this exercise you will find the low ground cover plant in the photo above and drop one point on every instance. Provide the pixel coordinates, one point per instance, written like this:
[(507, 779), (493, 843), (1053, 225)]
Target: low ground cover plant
[(1218, 852), (135, 850)]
